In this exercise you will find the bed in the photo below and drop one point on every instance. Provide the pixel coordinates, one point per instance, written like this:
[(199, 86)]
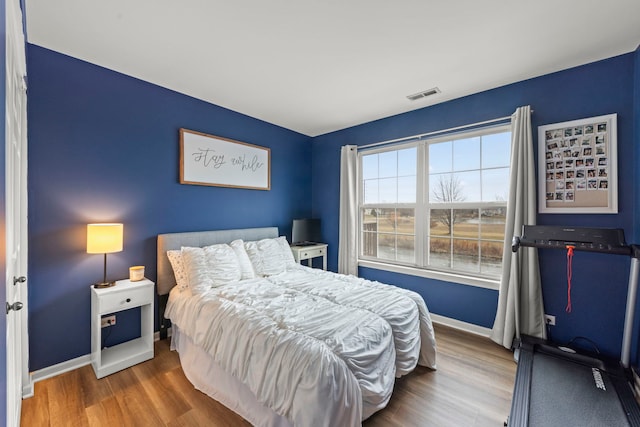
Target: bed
[(283, 344)]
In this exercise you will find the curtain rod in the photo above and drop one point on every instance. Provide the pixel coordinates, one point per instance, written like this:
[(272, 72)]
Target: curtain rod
[(422, 135)]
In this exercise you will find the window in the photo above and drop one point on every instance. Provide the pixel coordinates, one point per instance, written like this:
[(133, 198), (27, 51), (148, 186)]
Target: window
[(388, 218), (437, 204)]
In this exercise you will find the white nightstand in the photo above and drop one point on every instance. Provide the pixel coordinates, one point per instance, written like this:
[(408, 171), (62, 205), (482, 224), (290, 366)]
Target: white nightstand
[(309, 252), (123, 296)]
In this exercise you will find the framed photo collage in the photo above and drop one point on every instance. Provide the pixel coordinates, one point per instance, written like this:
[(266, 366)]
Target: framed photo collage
[(578, 166)]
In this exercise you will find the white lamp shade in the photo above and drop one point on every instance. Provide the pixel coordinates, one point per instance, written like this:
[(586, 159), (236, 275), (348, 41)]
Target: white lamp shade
[(104, 238)]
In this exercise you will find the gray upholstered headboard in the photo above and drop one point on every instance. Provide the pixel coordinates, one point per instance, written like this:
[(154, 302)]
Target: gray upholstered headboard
[(165, 278)]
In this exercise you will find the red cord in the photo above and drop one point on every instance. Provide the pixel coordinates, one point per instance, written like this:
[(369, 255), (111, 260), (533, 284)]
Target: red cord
[(569, 274)]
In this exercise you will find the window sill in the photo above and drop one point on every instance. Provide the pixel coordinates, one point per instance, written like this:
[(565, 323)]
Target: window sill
[(431, 274)]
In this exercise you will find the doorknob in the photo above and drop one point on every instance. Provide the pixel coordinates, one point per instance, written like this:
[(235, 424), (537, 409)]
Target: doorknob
[(17, 280), (15, 306)]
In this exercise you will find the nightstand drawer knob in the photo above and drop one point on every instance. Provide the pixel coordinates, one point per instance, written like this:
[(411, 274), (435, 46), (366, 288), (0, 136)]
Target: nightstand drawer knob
[(128, 299)]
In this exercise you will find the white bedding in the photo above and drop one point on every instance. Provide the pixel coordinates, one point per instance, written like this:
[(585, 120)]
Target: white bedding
[(412, 331), (208, 377), (316, 347)]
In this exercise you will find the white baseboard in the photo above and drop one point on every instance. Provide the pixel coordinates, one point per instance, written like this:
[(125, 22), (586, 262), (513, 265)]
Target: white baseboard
[(27, 390), (52, 371), (459, 324), (61, 368)]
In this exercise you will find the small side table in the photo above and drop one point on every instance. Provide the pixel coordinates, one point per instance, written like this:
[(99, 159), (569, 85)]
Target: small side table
[(123, 296), (309, 252)]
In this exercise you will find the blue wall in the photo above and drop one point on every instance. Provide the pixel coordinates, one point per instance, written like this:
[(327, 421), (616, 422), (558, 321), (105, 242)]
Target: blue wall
[(3, 266), (599, 289), (104, 147)]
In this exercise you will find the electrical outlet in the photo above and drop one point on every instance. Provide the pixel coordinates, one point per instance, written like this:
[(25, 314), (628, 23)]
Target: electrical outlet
[(551, 320), (107, 321)]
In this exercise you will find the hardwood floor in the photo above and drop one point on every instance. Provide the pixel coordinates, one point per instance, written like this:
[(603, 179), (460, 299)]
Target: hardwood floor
[(471, 387)]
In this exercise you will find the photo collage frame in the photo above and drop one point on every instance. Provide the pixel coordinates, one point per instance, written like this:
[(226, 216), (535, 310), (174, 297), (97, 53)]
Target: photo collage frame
[(577, 166)]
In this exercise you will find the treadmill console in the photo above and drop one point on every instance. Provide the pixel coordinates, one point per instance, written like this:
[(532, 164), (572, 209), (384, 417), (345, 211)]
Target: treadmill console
[(603, 240)]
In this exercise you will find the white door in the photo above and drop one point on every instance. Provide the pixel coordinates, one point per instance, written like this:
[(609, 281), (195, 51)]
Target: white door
[(16, 211)]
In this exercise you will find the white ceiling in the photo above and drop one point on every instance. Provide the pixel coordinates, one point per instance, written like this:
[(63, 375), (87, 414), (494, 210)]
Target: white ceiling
[(316, 66)]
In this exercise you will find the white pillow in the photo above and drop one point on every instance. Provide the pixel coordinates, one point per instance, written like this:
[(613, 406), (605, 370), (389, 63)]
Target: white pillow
[(210, 266), (175, 259), (286, 251), (269, 256), (246, 268)]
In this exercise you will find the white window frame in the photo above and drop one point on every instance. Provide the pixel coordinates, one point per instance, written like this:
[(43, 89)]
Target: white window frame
[(422, 208)]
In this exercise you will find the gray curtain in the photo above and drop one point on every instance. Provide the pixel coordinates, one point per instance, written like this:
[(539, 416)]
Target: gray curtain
[(520, 305), (347, 244)]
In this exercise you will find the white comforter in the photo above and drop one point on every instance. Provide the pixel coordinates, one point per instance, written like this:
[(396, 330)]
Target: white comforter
[(318, 348)]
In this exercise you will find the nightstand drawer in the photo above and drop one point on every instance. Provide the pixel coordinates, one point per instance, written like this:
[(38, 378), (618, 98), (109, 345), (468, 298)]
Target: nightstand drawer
[(312, 252), (124, 300), (302, 252)]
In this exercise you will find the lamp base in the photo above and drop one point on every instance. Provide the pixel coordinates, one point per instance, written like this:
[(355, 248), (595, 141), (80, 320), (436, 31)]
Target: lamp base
[(103, 285)]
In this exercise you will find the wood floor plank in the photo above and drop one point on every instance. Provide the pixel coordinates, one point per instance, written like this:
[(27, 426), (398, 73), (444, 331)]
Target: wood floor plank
[(203, 405), (35, 411), (94, 391), (106, 413), (137, 407), (66, 401), (472, 388), (170, 404)]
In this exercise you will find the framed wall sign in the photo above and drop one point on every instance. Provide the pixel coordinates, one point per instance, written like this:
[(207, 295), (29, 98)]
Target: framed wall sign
[(213, 160), (578, 166)]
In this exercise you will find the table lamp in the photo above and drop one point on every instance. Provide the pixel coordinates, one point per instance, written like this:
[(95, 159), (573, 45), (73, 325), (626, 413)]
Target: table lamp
[(104, 239)]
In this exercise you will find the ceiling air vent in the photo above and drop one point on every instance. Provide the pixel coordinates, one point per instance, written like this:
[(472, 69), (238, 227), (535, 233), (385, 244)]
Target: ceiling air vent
[(423, 94)]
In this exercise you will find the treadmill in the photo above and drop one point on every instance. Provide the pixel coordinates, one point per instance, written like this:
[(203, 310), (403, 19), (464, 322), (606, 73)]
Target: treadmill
[(559, 386)]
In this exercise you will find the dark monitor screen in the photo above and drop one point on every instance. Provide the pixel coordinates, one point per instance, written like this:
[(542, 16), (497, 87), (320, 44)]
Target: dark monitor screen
[(306, 231)]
